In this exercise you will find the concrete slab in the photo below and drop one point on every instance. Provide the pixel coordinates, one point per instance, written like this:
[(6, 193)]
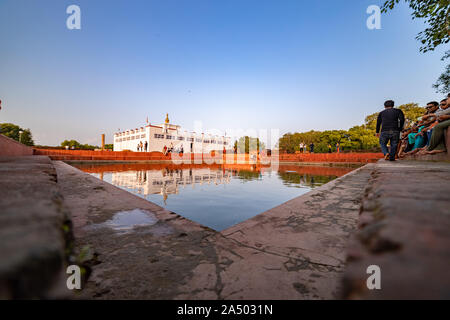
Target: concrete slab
[(403, 229), (294, 251)]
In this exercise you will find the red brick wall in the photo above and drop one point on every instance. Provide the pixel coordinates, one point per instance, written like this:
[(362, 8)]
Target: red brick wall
[(10, 147), (331, 157), (136, 156)]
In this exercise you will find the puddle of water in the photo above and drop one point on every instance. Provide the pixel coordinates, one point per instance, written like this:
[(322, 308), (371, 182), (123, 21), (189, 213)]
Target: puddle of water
[(128, 220)]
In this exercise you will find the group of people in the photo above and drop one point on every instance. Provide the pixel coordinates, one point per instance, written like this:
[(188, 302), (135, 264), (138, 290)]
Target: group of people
[(337, 146), (142, 146), (171, 148), (425, 136), (303, 148)]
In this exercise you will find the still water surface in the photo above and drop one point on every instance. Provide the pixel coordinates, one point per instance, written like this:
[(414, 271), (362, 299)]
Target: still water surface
[(215, 196)]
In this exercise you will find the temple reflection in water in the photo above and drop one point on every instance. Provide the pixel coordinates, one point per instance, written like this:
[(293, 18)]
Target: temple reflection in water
[(168, 181)]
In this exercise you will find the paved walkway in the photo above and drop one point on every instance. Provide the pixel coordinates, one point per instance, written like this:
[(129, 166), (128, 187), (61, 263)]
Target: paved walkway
[(298, 250), (294, 251), (405, 230)]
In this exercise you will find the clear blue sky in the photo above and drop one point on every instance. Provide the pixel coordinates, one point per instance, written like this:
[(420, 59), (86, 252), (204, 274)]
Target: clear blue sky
[(292, 65)]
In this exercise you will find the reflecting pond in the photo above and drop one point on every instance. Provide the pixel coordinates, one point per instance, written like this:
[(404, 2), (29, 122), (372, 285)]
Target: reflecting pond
[(215, 196)]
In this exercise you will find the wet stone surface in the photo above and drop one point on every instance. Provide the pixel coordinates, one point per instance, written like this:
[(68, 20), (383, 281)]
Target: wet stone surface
[(127, 221)]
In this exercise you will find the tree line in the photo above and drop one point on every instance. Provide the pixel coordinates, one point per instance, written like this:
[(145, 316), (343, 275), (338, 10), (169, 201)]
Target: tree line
[(358, 138)]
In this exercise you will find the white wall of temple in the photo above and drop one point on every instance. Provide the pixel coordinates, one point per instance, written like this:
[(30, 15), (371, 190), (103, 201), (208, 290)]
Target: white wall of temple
[(169, 136)]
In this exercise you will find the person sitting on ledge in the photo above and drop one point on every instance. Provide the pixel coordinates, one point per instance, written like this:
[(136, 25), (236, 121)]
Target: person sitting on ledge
[(405, 146), (444, 110), (437, 141), (426, 123)]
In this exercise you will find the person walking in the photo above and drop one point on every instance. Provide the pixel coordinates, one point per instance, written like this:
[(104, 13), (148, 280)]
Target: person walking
[(391, 122), (145, 146), (311, 147)]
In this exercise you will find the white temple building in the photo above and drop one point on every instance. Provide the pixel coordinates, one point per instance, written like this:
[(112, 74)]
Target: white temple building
[(168, 136)]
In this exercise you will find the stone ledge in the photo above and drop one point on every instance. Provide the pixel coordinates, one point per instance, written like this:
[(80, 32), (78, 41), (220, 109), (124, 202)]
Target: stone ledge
[(32, 240), (403, 229)]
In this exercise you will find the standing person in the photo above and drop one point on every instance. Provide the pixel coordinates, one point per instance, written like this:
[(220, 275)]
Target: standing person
[(138, 145), (391, 121), (329, 148), (311, 147), (165, 150), (338, 147), (145, 146), (141, 145)]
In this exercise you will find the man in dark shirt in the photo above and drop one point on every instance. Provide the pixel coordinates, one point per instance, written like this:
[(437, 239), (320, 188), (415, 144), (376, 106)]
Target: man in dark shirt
[(311, 147), (391, 122)]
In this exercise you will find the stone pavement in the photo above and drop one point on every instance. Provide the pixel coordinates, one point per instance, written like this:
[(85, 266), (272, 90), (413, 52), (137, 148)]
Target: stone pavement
[(298, 250), (404, 229), (293, 251), (32, 229)]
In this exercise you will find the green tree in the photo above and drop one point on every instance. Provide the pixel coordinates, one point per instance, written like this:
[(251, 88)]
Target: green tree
[(248, 144), (437, 17), (12, 131), (436, 14), (363, 138), (442, 85), (76, 145), (71, 143), (412, 111)]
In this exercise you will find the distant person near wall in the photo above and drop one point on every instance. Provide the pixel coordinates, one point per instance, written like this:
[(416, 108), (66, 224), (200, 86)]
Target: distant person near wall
[(311, 147)]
